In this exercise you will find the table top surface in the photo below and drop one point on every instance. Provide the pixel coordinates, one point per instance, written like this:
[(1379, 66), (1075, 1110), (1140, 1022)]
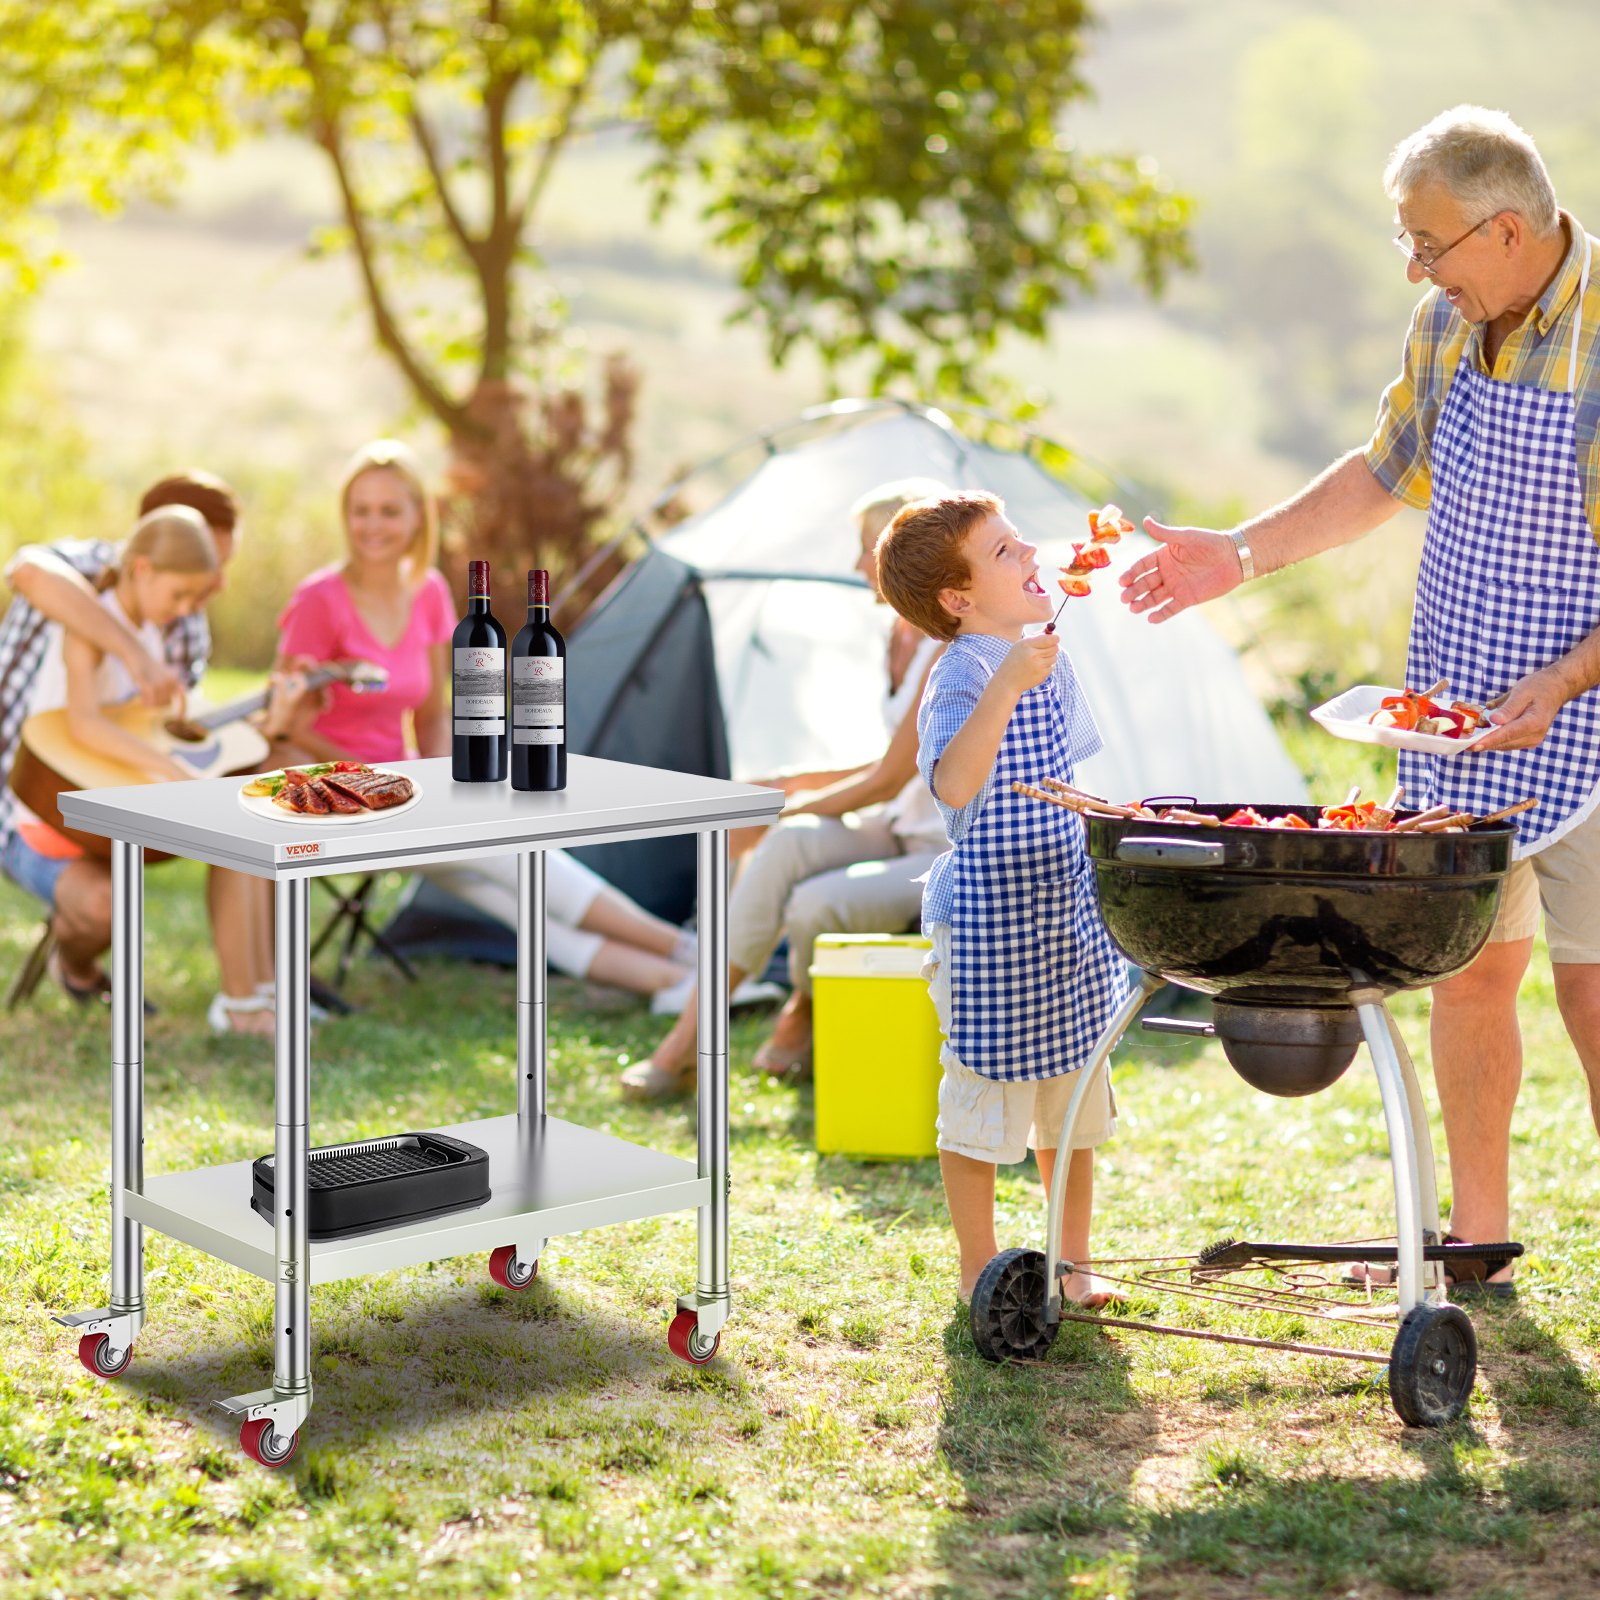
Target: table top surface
[(203, 819)]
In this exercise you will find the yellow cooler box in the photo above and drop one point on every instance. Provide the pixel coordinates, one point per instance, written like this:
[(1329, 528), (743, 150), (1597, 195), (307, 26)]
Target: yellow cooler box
[(876, 1046)]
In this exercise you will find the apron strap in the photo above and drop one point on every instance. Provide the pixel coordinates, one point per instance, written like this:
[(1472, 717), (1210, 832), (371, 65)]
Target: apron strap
[(1577, 321)]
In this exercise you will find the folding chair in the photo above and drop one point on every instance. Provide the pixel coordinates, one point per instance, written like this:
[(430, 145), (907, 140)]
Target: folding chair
[(32, 969), (351, 913)]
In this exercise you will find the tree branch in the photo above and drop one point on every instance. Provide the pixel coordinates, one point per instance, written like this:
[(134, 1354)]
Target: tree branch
[(385, 324), (430, 154), (552, 148)]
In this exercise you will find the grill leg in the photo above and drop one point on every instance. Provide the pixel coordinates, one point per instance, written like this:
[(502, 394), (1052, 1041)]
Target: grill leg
[(1099, 1062), (288, 1401), (124, 1317), (711, 1301), (1416, 1200)]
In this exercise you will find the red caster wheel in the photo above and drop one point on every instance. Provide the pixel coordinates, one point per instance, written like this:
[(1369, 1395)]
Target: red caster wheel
[(510, 1273), (684, 1341), (262, 1442), (94, 1351)]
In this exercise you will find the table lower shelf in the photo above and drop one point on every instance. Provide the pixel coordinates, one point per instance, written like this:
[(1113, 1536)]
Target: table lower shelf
[(547, 1180)]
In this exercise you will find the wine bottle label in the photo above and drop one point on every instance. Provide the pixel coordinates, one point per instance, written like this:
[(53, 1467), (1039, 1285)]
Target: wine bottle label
[(478, 691), (539, 700)]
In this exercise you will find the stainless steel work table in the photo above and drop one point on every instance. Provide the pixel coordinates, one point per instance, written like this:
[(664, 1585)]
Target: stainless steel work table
[(547, 1176)]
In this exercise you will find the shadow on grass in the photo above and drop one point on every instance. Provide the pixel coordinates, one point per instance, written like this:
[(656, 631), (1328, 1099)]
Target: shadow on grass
[(1046, 1452), (389, 1361)]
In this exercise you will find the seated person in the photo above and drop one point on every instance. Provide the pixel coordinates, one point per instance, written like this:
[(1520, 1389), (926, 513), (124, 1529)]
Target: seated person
[(162, 574), (56, 583), (846, 857), (388, 603)]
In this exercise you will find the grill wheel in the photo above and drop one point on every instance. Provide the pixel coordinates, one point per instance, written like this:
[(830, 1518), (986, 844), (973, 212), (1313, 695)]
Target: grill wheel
[(1432, 1366), (1008, 1308)]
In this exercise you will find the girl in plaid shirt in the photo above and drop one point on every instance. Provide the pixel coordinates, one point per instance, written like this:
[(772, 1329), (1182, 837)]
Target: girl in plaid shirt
[(1023, 973)]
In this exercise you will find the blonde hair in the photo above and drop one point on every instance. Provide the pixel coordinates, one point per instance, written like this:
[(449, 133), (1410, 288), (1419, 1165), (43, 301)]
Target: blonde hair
[(920, 555), (888, 498), (1484, 160), (393, 456), (171, 539)]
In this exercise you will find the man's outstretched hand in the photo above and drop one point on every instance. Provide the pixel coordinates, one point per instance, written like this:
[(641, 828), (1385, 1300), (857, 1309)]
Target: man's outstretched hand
[(1190, 565)]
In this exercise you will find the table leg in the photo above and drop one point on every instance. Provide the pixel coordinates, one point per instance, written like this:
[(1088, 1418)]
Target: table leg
[(288, 1402), (533, 1045), (711, 1301), (106, 1335)]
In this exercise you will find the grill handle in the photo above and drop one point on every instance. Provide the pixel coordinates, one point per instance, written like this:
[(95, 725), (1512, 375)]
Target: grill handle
[(1172, 852), (1192, 1030)]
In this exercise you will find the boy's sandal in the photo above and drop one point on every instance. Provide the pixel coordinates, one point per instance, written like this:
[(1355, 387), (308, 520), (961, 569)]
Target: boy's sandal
[(644, 1080), (225, 1007), (83, 994)]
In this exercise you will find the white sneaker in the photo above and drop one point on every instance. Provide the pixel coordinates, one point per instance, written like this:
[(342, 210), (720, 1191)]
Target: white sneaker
[(669, 1002)]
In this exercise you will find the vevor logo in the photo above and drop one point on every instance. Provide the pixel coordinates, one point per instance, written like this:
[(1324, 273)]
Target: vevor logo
[(292, 850)]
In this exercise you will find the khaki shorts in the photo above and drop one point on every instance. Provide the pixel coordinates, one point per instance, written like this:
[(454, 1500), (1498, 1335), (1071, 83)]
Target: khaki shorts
[(1565, 878), (989, 1119)]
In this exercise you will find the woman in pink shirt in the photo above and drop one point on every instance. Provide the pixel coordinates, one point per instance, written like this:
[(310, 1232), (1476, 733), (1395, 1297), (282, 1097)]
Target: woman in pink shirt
[(385, 603)]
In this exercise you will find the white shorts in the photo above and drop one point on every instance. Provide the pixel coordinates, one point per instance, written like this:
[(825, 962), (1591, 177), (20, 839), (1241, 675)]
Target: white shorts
[(989, 1119)]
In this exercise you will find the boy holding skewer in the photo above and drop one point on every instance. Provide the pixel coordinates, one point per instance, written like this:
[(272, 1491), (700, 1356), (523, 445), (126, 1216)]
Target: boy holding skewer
[(1023, 973)]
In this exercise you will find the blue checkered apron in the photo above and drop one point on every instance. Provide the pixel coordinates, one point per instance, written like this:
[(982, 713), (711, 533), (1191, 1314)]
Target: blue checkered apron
[(1510, 581), (1034, 978)]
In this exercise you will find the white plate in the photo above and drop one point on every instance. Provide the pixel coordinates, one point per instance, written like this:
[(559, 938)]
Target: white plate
[(261, 805), (1346, 717)]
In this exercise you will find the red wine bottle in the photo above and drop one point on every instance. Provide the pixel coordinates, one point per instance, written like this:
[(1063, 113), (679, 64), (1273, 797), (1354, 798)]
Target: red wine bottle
[(538, 695), (478, 687)]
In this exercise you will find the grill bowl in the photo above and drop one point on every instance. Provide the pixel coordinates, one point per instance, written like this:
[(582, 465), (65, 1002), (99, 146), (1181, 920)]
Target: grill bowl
[(1286, 917)]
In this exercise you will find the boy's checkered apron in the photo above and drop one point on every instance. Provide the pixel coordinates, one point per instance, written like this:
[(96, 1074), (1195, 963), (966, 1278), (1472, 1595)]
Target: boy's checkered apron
[(1034, 978), (1510, 581)]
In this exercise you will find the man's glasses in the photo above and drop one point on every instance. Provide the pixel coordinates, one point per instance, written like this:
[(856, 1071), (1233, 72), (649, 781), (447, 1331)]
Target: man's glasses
[(1428, 260)]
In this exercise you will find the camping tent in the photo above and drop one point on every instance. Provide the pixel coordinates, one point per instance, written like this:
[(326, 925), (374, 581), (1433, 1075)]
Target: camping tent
[(742, 643)]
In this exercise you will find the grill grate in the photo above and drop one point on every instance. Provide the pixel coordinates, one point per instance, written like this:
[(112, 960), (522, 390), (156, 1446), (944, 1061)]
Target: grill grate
[(376, 1183)]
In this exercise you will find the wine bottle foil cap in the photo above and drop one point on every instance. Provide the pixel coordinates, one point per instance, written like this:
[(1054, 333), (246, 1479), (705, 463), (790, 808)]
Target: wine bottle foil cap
[(478, 577), (538, 587)]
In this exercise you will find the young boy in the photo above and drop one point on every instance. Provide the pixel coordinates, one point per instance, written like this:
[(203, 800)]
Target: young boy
[(1023, 973)]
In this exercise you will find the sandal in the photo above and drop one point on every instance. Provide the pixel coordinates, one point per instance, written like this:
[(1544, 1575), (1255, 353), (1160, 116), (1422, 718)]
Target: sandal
[(644, 1080), (85, 994), (792, 1066), (224, 1008), (1463, 1275)]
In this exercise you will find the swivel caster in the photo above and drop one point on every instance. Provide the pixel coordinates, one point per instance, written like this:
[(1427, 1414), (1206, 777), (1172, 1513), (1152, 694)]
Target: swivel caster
[(685, 1342), (510, 1273), (1009, 1304), (1432, 1366), (262, 1442), (95, 1352)]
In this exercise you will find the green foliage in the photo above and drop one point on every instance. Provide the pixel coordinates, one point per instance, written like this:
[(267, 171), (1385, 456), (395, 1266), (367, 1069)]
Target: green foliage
[(890, 180)]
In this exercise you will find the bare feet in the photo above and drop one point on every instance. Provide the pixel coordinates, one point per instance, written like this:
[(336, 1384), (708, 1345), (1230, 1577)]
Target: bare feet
[(1090, 1293)]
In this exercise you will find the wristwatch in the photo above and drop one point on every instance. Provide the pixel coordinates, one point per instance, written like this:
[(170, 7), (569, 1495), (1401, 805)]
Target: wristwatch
[(1247, 561)]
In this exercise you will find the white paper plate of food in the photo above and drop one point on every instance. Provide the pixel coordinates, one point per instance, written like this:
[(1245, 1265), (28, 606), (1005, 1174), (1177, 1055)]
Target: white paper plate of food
[(332, 794), (1405, 719)]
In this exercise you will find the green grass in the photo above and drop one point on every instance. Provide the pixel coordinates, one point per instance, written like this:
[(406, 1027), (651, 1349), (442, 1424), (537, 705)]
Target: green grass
[(470, 1442)]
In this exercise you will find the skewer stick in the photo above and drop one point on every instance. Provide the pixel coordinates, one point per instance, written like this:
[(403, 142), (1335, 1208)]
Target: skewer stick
[(1437, 690), (1393, 802), (1192, 818), (1354, 795), (1456, 819), (1511, 811), (1084, 807), (1411, 823)]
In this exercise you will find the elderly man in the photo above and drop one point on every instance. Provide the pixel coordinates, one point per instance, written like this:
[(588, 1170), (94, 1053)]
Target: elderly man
[(1492, 425)]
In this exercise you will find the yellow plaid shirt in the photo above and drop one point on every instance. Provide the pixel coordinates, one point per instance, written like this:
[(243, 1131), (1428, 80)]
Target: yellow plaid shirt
[(1536, 352)]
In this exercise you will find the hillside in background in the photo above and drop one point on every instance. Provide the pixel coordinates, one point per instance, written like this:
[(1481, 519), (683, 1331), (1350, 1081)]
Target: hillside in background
[(208, 333)]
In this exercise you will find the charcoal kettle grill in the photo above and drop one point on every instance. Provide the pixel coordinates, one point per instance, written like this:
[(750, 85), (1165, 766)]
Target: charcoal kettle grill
[(1298, 935)]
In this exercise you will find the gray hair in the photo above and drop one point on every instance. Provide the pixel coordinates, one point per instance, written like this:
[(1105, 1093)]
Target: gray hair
[(889, 497), (1484, 160)]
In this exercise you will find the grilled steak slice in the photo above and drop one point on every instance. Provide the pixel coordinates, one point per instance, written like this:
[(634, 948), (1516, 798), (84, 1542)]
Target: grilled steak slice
[(300, 793), (336, 802), (375, 790)]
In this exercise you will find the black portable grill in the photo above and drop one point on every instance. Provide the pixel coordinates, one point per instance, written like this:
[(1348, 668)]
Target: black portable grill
[(1299, 935), (380, 1183)]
